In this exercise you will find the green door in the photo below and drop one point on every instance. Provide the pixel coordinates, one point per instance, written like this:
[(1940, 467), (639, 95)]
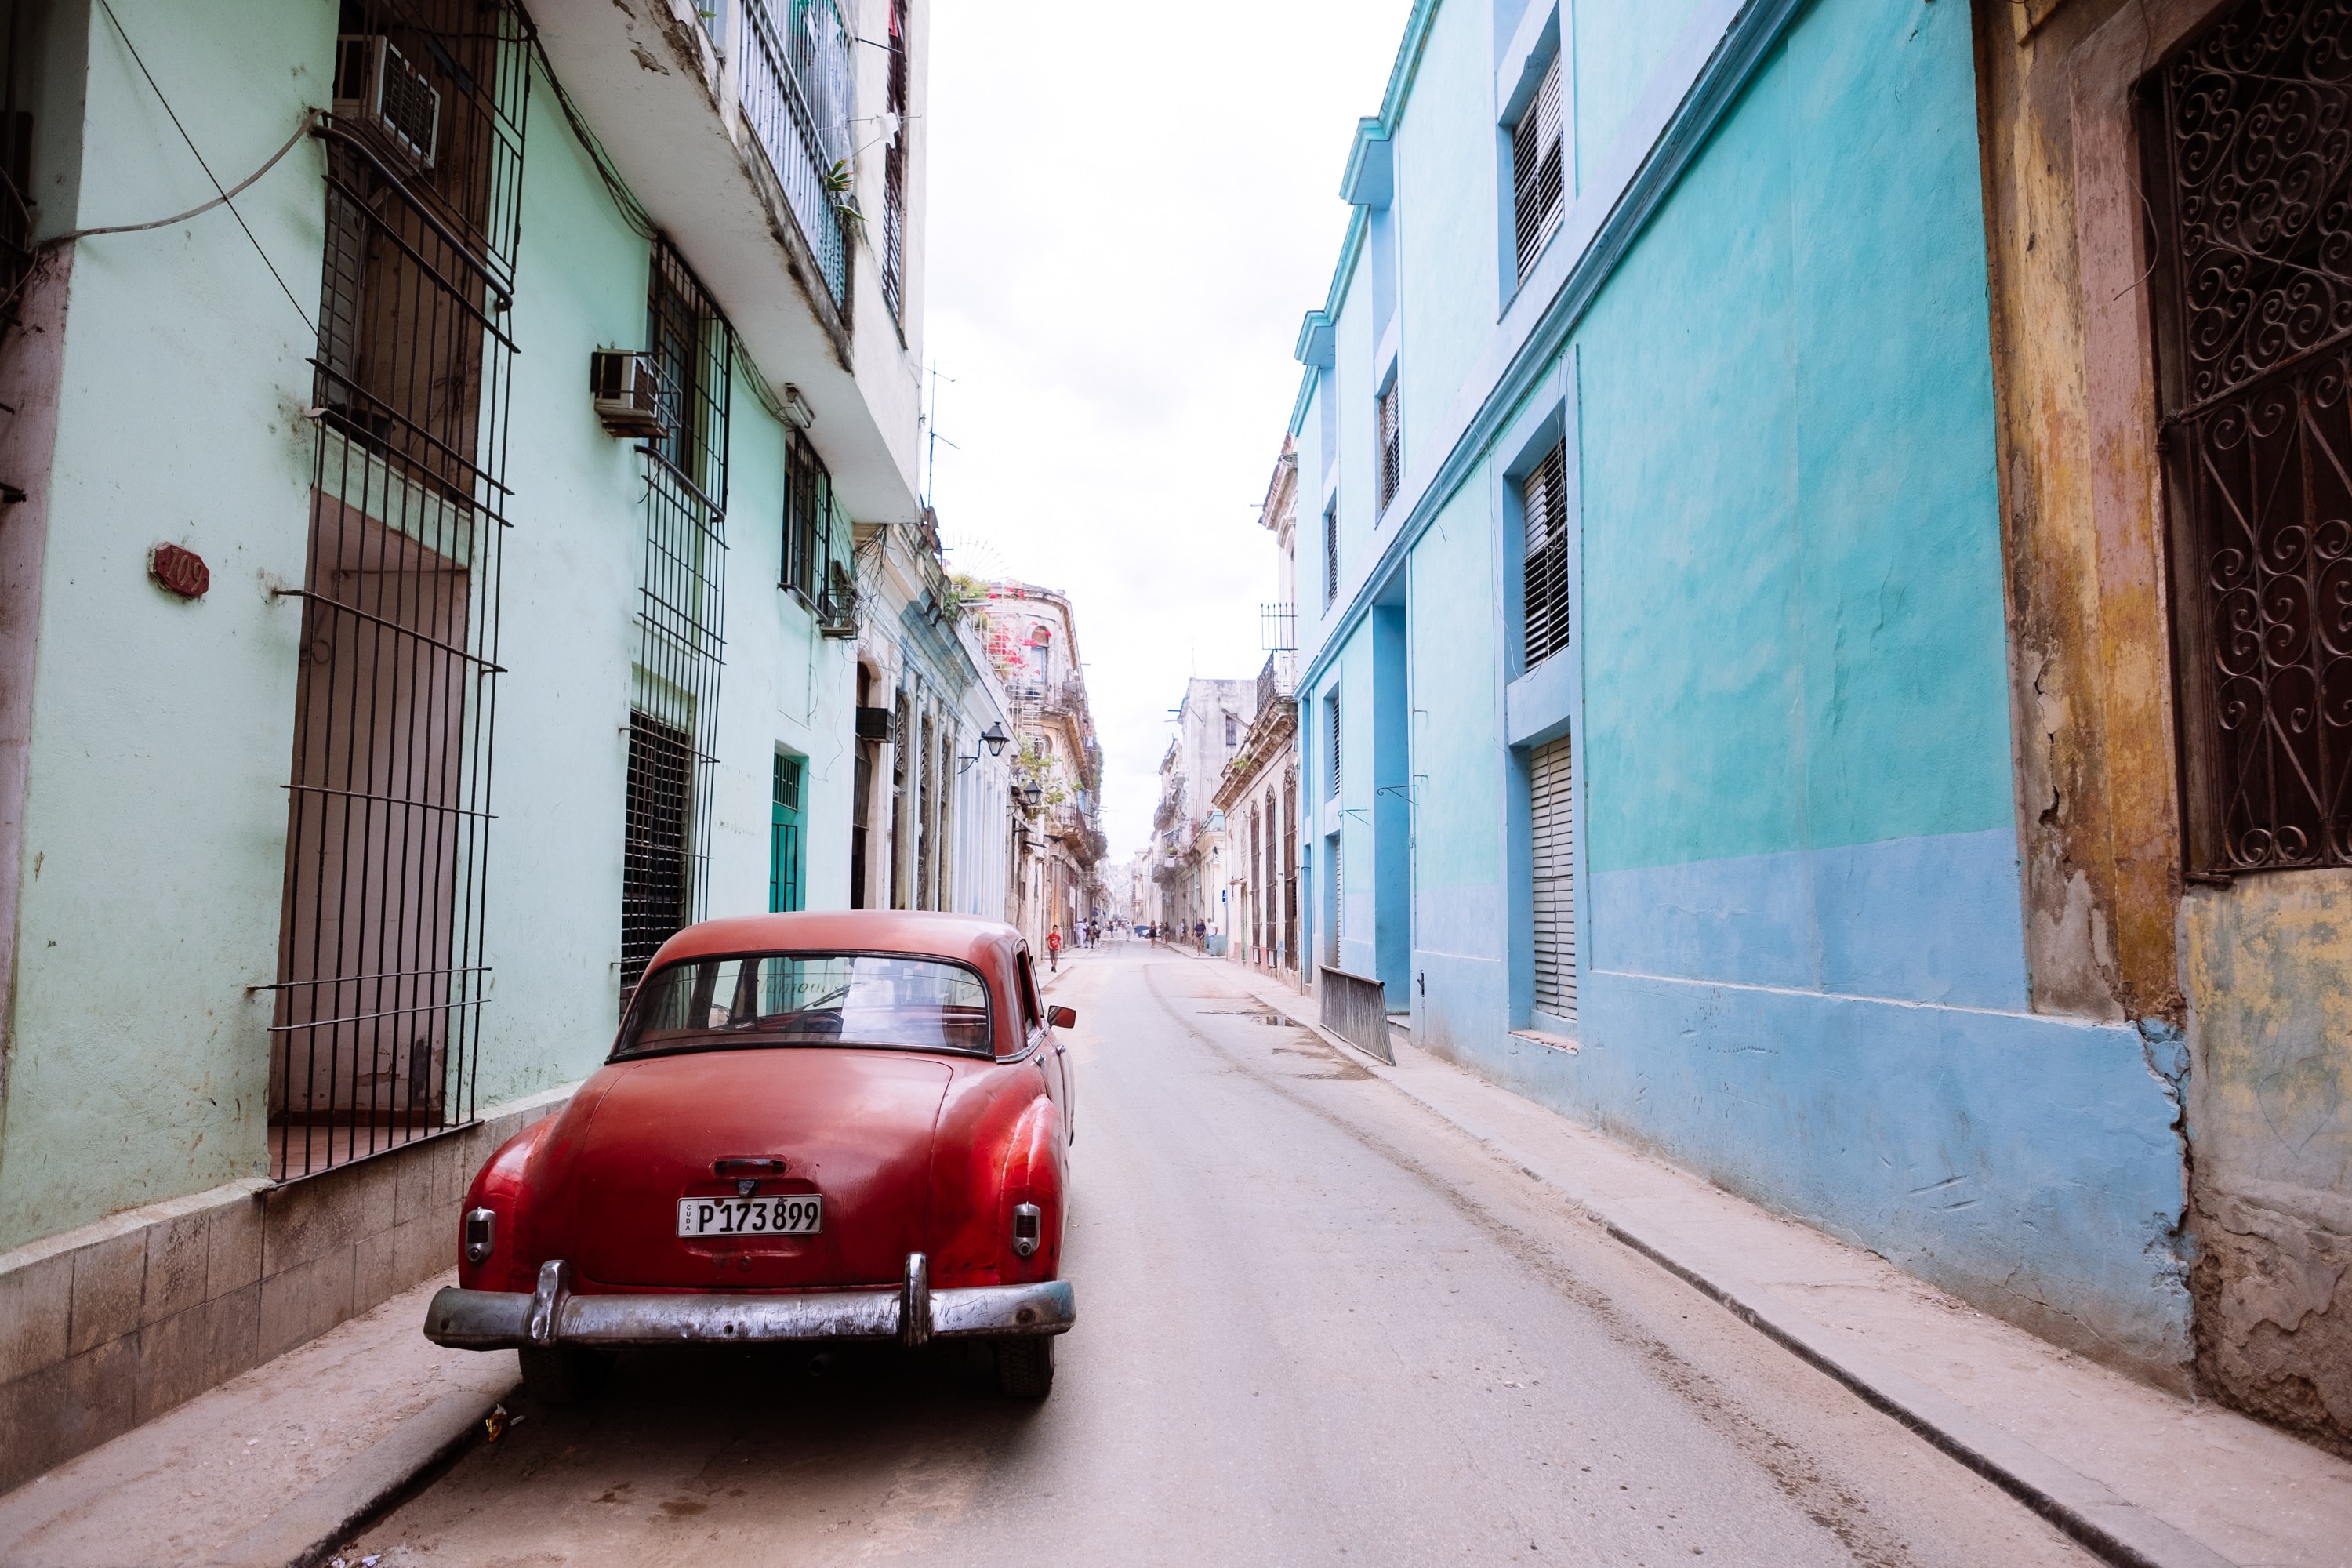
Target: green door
[(784, 838)]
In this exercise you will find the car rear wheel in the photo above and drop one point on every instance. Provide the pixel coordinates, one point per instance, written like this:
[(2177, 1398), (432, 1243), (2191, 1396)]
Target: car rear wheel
[(1024, 1366), (563, 1374)]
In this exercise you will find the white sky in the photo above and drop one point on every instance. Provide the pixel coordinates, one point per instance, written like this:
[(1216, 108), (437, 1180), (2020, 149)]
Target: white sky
[(1131, 206)]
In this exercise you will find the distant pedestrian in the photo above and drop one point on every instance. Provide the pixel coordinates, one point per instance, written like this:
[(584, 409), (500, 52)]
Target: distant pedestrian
[(1200, 935), (1053, 950)]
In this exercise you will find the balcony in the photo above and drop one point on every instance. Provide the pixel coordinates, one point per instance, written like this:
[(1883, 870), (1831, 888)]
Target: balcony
[(731, 123), (798, 88), (1275, 681)]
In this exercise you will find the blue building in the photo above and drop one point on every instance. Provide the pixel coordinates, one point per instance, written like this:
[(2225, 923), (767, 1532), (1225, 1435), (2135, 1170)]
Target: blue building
[(1656, 692)]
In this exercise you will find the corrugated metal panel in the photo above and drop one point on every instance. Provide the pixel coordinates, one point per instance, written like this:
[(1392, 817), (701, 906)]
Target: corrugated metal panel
[(1555, 891)]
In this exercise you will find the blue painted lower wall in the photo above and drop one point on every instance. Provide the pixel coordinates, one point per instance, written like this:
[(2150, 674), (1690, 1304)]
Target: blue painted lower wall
[(2027, 1164), (1935, 919)]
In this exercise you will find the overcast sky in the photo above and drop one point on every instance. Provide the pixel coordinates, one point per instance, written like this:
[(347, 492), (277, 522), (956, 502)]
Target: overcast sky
[(1130, 208)]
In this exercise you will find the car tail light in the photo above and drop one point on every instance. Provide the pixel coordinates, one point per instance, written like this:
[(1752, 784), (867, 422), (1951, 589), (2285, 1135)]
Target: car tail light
[(1028, 1228), (481, 1233)]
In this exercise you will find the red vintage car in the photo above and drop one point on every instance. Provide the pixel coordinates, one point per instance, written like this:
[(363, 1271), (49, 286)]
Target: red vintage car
[(812, 1127)]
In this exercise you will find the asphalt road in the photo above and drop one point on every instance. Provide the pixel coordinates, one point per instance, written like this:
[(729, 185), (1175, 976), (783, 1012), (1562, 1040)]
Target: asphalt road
[(1317, 1325)]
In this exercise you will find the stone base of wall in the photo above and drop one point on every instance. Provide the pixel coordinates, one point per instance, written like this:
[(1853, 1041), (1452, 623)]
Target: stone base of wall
[(104, 1327), (2274, 1320)]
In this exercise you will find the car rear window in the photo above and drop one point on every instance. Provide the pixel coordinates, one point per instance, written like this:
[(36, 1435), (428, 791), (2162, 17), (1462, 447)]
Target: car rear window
[(810, 999)]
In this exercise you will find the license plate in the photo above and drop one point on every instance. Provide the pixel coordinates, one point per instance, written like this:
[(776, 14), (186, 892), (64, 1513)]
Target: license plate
[(793, 1214)]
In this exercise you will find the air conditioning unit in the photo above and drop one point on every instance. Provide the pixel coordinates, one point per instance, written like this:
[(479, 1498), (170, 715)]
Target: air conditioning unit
[(375, 85), (627, 392), (878, 724)]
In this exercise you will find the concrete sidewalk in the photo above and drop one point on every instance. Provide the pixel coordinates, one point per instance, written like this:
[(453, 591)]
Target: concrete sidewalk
[(273, 1469), (2136, 1474)]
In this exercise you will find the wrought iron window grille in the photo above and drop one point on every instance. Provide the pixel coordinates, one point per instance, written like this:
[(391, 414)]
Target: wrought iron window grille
[(808, 520), (681, 647), (1538, 176), (2249, 176), (1543, 577), (380, 982)]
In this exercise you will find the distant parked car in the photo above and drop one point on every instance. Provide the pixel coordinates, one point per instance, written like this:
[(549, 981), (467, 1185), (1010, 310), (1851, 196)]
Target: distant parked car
[(812, 1127)]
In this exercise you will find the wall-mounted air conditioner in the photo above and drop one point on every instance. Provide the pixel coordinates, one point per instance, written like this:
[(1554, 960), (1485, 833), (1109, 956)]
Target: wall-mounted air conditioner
[(836, 607), (627, 392), (375, 85)]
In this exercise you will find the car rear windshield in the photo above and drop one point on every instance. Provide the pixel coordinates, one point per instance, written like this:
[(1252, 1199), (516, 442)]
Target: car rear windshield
[(810, 999)]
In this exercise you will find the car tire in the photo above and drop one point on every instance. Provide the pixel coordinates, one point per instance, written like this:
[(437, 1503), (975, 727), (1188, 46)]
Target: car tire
[(1024, 1366), (563, 1374)]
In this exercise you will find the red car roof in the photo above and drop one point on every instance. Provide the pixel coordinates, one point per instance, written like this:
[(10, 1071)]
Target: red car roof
[(974, 938)]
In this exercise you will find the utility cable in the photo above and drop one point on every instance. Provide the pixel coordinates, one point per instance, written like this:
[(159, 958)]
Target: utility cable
[(309, 117), (207, 168)]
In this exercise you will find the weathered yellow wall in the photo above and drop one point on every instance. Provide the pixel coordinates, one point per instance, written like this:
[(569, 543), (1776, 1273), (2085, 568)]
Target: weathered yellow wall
[(2259, 975)]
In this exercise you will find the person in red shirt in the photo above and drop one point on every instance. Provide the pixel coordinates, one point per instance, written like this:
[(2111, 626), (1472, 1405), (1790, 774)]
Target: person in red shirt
[(1053, 948)]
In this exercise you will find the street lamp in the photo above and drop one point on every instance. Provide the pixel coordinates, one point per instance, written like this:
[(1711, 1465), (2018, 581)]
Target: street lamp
[(995, 739), (1032, 796)]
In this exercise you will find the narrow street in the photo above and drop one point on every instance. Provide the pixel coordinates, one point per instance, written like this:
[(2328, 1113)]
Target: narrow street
[(1317, 1324)]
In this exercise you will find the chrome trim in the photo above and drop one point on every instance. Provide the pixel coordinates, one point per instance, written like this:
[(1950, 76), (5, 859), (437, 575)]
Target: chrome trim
[(1028, 1228), (915, 1303), (479, 1247), (547, 1302), (502, 1319)]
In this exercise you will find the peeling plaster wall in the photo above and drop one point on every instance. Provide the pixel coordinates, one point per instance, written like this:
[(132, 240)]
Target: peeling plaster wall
[(2253, 982), (2269, 969)]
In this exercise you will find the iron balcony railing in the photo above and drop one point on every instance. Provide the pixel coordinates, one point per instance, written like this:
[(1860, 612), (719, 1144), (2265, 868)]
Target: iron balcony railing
[(799, 93)]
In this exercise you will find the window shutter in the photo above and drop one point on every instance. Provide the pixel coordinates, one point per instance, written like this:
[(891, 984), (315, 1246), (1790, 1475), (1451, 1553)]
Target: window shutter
[(1538, 177), (1391, 434), (1331, 711), (1543, 495), (1555, 900)]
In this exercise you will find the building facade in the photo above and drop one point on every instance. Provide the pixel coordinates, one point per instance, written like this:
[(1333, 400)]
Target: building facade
[(1191, 835), (1257, 792), (428, 585), (1057, 841), (1764, 691), (931, 782)]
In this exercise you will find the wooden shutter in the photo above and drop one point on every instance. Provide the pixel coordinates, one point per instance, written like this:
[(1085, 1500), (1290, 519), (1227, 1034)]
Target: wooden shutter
[(1555, 891)]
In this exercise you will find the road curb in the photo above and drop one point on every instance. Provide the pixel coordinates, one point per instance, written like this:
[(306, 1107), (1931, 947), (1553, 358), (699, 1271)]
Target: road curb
[(313, 1525), (2103, 1523)]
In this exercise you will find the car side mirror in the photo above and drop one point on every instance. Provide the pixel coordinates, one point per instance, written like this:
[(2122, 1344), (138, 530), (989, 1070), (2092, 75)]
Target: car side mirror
[(1061, 1017)]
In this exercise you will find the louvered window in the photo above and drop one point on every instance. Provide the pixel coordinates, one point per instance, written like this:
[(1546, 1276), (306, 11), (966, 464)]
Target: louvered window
[(1543, 497), (1392, 437), (1331, 717), (1555, 900), (1330, 553), (1538, 176), (1339, 898)]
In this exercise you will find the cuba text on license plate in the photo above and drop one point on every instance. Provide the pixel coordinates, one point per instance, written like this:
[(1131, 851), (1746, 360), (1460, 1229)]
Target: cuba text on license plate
[(792, 1214)]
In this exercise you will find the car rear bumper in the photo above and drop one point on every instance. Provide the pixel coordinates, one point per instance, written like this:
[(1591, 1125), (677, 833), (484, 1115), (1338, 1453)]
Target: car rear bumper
[(912, 1314)]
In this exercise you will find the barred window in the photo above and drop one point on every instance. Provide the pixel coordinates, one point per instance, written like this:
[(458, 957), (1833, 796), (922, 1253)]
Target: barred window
[(1538, 174), (894, 172), (380, 977), (1391, 441), (808, 518), (666, 836), (2252, 312), (1543, 497)]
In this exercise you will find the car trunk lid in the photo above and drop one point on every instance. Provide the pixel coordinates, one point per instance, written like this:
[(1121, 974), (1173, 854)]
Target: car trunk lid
[(854, 1127)]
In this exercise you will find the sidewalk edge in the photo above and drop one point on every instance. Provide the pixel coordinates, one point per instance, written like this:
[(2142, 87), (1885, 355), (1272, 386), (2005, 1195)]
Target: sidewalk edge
[(2084, 1510), (305, 1530)]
